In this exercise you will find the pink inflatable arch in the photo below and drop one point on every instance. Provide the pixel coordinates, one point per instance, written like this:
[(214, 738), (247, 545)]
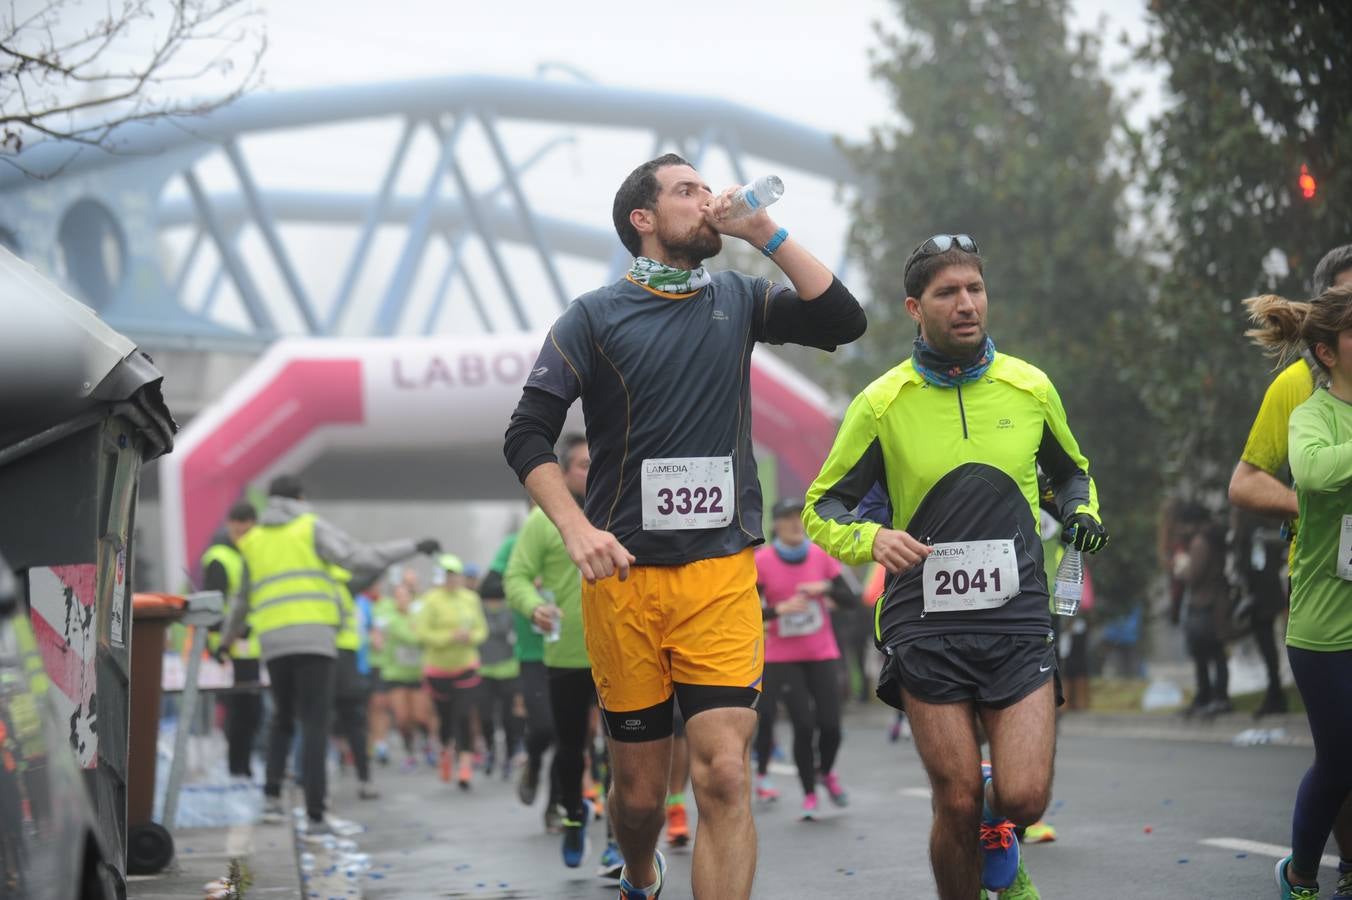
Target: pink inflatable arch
[(308, 397)]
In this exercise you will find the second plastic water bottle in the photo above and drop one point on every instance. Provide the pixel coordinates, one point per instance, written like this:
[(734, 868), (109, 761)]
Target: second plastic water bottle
[(556, 629), (1069, 584), (757, 195)]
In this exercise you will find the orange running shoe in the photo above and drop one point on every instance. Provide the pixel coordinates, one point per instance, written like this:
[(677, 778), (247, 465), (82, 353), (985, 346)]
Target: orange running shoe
[(465, 774), (678, 829), (445, 765)]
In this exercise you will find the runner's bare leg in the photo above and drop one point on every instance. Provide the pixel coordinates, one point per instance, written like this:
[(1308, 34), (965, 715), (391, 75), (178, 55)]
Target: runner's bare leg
[(945, 737), (720, 773)]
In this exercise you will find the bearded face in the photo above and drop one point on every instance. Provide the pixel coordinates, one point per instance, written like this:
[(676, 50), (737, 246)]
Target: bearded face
[(688, 241)]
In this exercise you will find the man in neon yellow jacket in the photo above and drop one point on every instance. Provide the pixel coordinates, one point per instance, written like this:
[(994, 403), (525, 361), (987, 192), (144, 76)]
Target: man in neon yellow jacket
[(955, 436)]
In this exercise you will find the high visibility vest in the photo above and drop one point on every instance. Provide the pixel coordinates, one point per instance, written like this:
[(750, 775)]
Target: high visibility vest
[(349, 638), (233, 564), (288, 583)]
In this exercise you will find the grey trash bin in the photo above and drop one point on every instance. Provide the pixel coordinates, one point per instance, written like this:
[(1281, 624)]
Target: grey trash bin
[(80, 411)]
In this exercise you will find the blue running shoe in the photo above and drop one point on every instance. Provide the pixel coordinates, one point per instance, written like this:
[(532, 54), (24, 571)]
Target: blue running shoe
[(999, 844), (575, 843), (629, 892), (612, 863), (1291, 891)]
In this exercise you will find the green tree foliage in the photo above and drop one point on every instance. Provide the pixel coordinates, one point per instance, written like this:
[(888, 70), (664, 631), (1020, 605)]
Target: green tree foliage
[(1008, 130), (1259, 88)]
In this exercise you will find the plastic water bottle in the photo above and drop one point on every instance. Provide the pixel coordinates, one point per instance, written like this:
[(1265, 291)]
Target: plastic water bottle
[(555, 632), (757, 195), (1069, 584)]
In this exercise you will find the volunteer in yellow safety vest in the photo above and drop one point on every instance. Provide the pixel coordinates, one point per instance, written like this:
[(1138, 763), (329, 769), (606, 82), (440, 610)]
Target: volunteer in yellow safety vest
[(291, 602), (223, 570)]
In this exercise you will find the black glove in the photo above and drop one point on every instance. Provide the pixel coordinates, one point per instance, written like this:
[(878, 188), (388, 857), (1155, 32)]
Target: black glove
[(1085, 532), (429, 546)]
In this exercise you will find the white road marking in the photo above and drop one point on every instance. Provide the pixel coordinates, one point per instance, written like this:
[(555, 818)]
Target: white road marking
[(1276, 851), (779, 768), (923, 793)]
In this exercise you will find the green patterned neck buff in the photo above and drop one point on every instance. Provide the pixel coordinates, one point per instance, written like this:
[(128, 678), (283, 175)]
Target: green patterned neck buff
[(662, 277)]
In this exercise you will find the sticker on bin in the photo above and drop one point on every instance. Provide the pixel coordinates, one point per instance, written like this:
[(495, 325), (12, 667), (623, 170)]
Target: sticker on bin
[(63, 602), (117, 623)]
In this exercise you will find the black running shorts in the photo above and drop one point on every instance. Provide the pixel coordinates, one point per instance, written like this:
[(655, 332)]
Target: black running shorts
[(995, 670)]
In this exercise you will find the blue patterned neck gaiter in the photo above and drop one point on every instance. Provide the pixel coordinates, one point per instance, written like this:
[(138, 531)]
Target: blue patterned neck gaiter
[(945, 371)]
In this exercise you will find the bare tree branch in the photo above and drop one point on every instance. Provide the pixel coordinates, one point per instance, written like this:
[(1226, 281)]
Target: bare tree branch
[(72, 73)]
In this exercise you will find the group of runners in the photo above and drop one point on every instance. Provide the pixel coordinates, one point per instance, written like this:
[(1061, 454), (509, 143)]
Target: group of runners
[(662, 624), (680, 612)]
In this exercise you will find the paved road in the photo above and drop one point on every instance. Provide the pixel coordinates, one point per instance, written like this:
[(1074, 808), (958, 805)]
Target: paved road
[(430, 840)]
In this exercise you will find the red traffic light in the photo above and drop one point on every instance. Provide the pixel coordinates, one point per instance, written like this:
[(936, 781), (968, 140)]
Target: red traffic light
[(1307, 183)]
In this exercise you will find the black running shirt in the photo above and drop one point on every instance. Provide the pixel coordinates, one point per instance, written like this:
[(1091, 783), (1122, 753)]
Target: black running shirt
[(667, 377)]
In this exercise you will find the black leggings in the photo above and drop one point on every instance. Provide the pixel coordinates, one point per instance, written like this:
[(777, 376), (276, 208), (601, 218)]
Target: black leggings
[(455, 699), (572, 694), (1325, 683), (810, 691), (496, 696)]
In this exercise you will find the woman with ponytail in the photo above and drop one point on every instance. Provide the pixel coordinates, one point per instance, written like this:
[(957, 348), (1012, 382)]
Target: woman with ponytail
[(1256, 490), (1319, 631)]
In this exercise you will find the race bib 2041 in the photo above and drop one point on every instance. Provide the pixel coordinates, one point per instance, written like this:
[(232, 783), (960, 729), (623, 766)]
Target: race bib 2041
[(970, 575), (687, 492)]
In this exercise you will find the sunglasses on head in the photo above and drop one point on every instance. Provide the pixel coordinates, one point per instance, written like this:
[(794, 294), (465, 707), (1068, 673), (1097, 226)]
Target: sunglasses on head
[(941, 243)]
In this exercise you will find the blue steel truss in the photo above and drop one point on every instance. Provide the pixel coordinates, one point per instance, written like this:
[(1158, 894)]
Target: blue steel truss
[(129, 181)]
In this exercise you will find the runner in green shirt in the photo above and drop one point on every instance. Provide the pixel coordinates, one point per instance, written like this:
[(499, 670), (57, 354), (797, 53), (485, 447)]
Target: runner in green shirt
[(543, 583), (1319, 632)]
